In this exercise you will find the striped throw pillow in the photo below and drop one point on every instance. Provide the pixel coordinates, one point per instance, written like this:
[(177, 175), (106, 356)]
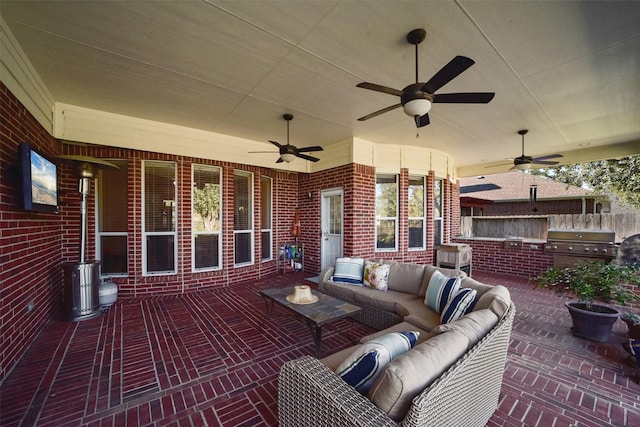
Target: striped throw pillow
[(362, 367), (349, 270), (461, 304), (441, 288)]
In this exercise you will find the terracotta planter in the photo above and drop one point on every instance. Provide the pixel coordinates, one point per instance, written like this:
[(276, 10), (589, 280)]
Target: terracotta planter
[(595, 324)]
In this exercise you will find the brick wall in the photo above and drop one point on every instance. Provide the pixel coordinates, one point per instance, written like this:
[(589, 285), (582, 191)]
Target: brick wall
[(30, 242), (490, 255), (34, 246)]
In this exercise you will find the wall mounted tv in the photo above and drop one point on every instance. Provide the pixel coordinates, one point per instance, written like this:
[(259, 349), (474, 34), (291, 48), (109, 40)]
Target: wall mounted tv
[(39, 180)]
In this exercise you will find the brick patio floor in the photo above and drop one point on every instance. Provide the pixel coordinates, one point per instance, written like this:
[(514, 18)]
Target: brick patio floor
[(212, 358)]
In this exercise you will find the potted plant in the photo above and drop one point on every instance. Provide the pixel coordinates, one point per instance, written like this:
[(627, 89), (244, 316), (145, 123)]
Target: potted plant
[(590, 282)]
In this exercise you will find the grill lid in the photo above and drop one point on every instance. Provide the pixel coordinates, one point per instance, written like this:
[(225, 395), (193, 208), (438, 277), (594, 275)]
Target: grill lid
[(585, 236)]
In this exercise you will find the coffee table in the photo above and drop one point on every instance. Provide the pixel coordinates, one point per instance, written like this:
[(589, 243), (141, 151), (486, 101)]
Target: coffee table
[(326, 310)]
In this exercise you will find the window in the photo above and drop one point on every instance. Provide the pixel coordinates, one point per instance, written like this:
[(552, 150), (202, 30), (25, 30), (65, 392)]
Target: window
[(416, 212), (437, 211), (242, 218), (159, 218), (266, 197), (206, 217), (386, 212), (112, 221)]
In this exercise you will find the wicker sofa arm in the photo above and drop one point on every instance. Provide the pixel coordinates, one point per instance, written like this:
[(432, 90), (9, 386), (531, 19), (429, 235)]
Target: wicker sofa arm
[(310, 394)]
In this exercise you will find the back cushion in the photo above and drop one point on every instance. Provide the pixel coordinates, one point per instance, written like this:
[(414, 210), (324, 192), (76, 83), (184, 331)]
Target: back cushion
[(406, 277), (474, 325), (349, 270), (409, 374)]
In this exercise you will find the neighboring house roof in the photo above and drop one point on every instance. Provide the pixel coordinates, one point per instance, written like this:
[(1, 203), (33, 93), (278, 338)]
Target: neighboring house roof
[(514, 186)]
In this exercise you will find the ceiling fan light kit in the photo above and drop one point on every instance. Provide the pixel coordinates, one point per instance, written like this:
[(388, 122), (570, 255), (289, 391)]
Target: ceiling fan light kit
[(416, 98), (417, 107), (288, 157)]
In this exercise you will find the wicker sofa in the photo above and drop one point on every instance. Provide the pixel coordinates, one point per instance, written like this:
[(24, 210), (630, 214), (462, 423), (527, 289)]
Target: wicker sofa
[(458, 366)]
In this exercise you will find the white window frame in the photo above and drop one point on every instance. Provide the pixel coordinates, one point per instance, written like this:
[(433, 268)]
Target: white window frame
[(422, 218), (195, 233), (251, 230), (442, 212), (269, 228), (173, 233), (99, 234), (381, 218)]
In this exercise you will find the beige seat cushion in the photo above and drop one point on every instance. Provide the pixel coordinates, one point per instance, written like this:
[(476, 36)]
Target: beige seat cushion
[(405, 277), (497, 299), (382, 300), (400, 327), (474, 325), (417, 313), (409, 374)]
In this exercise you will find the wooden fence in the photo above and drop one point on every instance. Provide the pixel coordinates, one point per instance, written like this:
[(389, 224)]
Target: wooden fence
[(535, 227)]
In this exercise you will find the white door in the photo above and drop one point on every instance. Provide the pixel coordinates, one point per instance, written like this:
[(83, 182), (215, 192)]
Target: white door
[(331, 246)]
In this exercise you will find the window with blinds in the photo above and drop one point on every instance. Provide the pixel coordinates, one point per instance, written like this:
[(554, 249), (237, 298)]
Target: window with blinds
[(438, 199), (386, 212), (416, 206), (112, 219), (159, 218), (206, 217), (266, 210), (242, 218)]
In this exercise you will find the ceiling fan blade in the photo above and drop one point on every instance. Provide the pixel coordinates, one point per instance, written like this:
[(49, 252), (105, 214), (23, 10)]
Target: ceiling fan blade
[(550, 156), (309, 149), (380, 88), (279, 160), (377, 113), (464, 97), (310, 158), (453, 69), (423, 121), (501, 164), (544, 162), (277, 144)]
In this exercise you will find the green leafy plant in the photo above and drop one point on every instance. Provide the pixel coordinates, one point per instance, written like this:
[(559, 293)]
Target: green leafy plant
[(591, 281)]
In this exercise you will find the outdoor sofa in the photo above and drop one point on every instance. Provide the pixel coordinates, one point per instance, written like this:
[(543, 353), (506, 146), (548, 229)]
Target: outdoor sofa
[(451, 377)]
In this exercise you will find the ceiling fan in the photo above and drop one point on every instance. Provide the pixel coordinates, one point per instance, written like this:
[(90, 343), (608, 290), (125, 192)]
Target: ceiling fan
[(524, 162), (416, 99), (289, 152)]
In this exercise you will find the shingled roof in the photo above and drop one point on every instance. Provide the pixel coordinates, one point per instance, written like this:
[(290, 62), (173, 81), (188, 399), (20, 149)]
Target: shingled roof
[(515, 186)]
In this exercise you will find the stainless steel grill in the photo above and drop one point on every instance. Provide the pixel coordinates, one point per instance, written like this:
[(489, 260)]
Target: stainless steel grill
[(572, 246)]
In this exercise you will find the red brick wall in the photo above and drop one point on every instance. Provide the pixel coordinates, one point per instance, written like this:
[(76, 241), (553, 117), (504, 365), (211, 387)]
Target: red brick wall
[(30, 242), (489, 255), (34, 246)]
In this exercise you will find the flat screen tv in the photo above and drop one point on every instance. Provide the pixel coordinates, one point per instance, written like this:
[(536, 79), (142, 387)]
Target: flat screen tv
[(39, 180)]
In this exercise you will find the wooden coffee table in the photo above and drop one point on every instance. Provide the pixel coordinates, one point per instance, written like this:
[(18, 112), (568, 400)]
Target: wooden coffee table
[(326, 310)]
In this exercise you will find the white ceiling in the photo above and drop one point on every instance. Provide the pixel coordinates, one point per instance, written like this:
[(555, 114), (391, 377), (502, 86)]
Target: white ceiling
[(569, 71)]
